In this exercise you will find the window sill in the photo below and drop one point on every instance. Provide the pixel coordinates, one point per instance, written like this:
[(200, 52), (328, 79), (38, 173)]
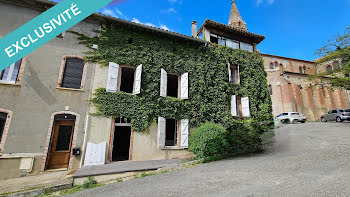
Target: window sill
[(172, 148), (9, 83), (70, 89)]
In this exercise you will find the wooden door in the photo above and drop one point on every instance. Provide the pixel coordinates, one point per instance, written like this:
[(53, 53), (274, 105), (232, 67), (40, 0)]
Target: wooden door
[(61, 144)]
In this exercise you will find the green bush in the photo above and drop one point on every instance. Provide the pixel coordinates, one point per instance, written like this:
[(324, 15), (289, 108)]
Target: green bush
[(209, 140), (243, 140)]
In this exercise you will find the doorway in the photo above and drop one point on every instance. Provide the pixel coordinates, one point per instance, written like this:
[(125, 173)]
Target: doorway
[(121, 143), (61, 142)]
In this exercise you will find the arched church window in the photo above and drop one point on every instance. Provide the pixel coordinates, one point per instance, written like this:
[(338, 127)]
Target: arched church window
[(304, 69), (276, 65), (271, 65)]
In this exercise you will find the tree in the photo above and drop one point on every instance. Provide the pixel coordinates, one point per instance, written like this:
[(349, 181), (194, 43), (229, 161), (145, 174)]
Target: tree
[(336, 48)]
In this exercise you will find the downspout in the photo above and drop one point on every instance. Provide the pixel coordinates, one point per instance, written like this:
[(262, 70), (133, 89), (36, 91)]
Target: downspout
[(85, 138)]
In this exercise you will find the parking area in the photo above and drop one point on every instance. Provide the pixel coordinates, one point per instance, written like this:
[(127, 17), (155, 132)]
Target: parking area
[(311, 159)]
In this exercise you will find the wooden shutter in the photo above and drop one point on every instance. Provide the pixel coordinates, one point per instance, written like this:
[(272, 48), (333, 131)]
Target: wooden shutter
[(137, 86), (184, 133), (238, 76), (184, 86), (245, 107), (112, 80), (234, 105), (95, 154), (163, 83), (229, 72), (161, 132), (73, 73)]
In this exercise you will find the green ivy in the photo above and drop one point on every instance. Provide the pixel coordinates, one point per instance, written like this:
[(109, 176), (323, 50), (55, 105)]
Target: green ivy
[(209, 91)]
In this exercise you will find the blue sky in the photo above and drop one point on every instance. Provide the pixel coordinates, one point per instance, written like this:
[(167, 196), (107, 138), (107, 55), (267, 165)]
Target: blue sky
[(293, 28)]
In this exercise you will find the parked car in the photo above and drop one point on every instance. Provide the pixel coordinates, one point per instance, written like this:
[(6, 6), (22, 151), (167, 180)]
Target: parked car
[(291, 117), (338, 115)]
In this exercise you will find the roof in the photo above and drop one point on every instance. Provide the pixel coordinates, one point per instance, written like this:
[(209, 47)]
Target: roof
[(287, 58), (43, 5), (226, 28)]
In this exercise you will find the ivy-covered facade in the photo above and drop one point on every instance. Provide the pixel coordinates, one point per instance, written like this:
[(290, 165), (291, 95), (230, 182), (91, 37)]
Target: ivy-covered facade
[(142, 67)]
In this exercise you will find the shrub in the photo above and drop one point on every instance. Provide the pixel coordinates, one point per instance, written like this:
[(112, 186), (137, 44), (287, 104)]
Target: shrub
[(243, 140), (209, 140)]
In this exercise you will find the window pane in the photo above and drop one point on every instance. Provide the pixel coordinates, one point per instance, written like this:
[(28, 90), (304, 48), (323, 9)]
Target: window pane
[(329, 68), (73, 73), (271, 66), (246, 47), (3, 117), (16, 70), (5, 74), (64, 138), (300, 70), (232, 44), (222, 42)]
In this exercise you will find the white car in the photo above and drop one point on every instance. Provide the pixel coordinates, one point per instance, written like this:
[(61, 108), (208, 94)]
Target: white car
[(291, 117)]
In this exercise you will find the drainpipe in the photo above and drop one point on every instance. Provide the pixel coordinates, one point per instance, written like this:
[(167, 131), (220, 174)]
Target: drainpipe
[(85, 138)]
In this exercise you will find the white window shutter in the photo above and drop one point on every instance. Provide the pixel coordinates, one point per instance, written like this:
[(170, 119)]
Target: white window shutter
[(163, 83), (184, 86), (234, 105), (112, 81), (245, 107), (161, 132), (137, 84), (229, 72), (184, 133)]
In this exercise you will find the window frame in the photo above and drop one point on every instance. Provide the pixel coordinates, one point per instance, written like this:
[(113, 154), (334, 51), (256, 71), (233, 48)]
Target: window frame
[(178, 85), (62, 69), (177, 134), (235, 80), (119, 81), (6, 128), (19, 75)]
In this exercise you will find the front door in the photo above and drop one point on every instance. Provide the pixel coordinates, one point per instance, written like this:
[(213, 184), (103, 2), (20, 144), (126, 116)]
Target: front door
[(121, 143), (61, 144)]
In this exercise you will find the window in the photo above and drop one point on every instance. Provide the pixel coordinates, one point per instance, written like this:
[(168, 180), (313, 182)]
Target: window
[(276, 64), (270, 88), (169, 85), (271, 66), (10, 74), (329, 69), (234, 74), (73, 73), (127, 80), (336, 65), (3, 118), (171, 132), (232, 44), (173, 86), (240, 106), (124, 78), (304, 67), (347, 75), (300, 69), (221, 41), (247, 47), (214, 39)]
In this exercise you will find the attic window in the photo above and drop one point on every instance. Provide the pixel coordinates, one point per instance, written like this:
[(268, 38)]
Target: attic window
[(127, 79), (214, 39), (173, 85)]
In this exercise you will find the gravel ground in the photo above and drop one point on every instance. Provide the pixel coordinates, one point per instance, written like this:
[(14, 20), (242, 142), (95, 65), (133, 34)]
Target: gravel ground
[(310, 159)]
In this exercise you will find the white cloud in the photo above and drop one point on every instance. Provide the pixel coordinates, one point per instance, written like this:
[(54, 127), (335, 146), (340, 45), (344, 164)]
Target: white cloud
[(135, 20), (119, 12), (164, 27), (171, 10), (150, 24), (268, 2), (108, 12)]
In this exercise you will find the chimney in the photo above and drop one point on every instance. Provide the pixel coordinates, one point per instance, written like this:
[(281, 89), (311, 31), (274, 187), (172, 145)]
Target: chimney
[(194, 29)]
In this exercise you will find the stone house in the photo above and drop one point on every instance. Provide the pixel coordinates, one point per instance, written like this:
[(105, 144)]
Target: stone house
[(291, 90)]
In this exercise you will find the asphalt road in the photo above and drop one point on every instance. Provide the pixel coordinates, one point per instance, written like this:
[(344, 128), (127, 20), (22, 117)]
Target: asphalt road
[(310, 159)]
